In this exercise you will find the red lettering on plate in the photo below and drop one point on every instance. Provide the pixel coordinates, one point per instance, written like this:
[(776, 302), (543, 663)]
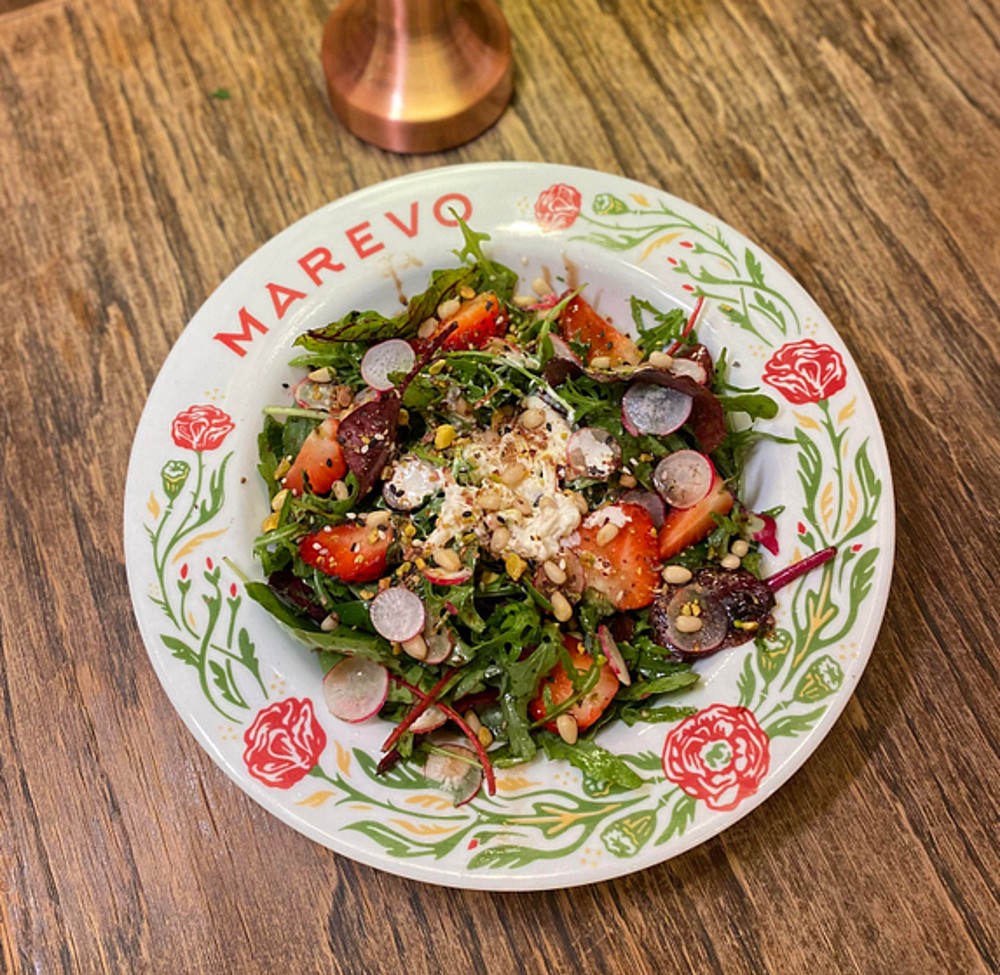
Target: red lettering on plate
[(409, 229), (448, 202), (283, 298), (362, 241), (232, 340), (315, 261)]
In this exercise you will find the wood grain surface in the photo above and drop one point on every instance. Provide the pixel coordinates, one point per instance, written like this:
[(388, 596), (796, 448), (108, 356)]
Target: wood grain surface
[(858, 142)]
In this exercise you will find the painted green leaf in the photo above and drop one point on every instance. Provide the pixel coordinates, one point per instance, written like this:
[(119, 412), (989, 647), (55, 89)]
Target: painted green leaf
[(625, 837), (746, 683), (772, 653), (681, 816), (180, 650), (792, 725), (512, 857)]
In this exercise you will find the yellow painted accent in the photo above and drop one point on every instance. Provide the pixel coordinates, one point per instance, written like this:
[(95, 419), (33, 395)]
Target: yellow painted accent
[(511, 783), (640, 199), (424, 829), (806, 421), (343, 760), (316, 799), (193, 543), (153, 506), (852, 502), (826, 505), (429, 802), (848, 411), (659, 242)]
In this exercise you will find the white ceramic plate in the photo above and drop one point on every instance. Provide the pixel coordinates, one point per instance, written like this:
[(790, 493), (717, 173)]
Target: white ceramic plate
[(252, 696)]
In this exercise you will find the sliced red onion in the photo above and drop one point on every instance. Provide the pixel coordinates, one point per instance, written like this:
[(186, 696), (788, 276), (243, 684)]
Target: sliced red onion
[(355, 689), (397, 614), (648, 408), (412, 484), (613, 655), (593, 452), (384, 359), (683, 478), (652, 502), (455, 769)]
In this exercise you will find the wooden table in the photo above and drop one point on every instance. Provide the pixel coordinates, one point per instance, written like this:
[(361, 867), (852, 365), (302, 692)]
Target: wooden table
[(858, 143)]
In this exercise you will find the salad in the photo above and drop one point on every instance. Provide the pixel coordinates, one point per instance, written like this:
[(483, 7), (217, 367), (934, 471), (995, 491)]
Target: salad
[(505, 523)]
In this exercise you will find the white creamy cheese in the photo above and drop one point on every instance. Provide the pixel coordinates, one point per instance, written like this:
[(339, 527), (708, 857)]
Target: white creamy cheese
[(536, 511)]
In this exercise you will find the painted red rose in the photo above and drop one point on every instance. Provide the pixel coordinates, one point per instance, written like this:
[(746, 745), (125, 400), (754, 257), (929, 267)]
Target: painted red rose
[(806, 371), (719, 755), (201, 427), (557, 207), (284, 743)]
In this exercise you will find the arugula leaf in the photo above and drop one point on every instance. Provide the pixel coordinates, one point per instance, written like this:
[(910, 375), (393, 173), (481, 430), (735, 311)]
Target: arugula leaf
[(598, 764), (636, 714), (666, 328)]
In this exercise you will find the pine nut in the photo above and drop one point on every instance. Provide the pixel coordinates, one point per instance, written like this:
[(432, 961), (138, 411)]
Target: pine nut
[(330, 623), (447, 559), (427, 328), (676, 575), (567, 727), (415, 647), (561, 609), (660, 360), (555, 574), (627, 481), (532, 419), (448, 308), (688, 624), (472, 720), (466, 292), (321, 375), (580, 501), (600, 362), (489, 501), (278, 501), (730, 562), (541, 287), (513, 475), (341, 491), (739, 548), (500, 539), (375, 519), (607, 533), (523, 301)]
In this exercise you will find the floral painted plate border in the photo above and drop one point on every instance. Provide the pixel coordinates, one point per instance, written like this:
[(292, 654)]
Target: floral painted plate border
[(252, 698)]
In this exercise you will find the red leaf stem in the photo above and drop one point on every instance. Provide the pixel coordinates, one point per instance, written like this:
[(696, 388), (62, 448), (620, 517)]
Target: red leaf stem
[(675, 346), (477, 745), (418, 709), (792, 572)]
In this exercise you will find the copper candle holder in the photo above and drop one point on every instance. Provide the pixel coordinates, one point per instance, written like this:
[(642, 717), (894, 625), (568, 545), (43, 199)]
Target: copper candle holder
[(417, 75)]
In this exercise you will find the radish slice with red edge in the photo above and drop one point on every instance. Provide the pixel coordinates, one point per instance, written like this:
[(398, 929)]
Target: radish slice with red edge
[(683, 478), (384, 359), (312, 395), (440, 642), (413, 482), (613, 655), (429, 720), (653, 503), (659, 410), (398, 614), (456, 770), (355, 689), (703, 607), (593, 452), (447, 577)]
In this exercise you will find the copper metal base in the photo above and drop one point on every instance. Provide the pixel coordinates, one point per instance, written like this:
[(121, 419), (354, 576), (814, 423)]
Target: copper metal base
[(417, 75)]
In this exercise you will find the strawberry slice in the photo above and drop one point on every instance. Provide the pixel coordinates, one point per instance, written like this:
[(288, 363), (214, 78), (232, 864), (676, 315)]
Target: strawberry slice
[(350, 552), (320, 461), (590, 707), (578, 322), (687, 526), (476, 322), (623, 568)]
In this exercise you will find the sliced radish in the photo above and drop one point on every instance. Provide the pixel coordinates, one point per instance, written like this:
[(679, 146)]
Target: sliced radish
[(652, 502), (455, 769), (413, 482), (613, 655), (355, 689), (593, 452), (649, 408), (447, 577), (767, 533), (312, 395), (683, 478), (384, 359), (710, 613), (430, 720), (397, 614), (440, 642), (690, 367)]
